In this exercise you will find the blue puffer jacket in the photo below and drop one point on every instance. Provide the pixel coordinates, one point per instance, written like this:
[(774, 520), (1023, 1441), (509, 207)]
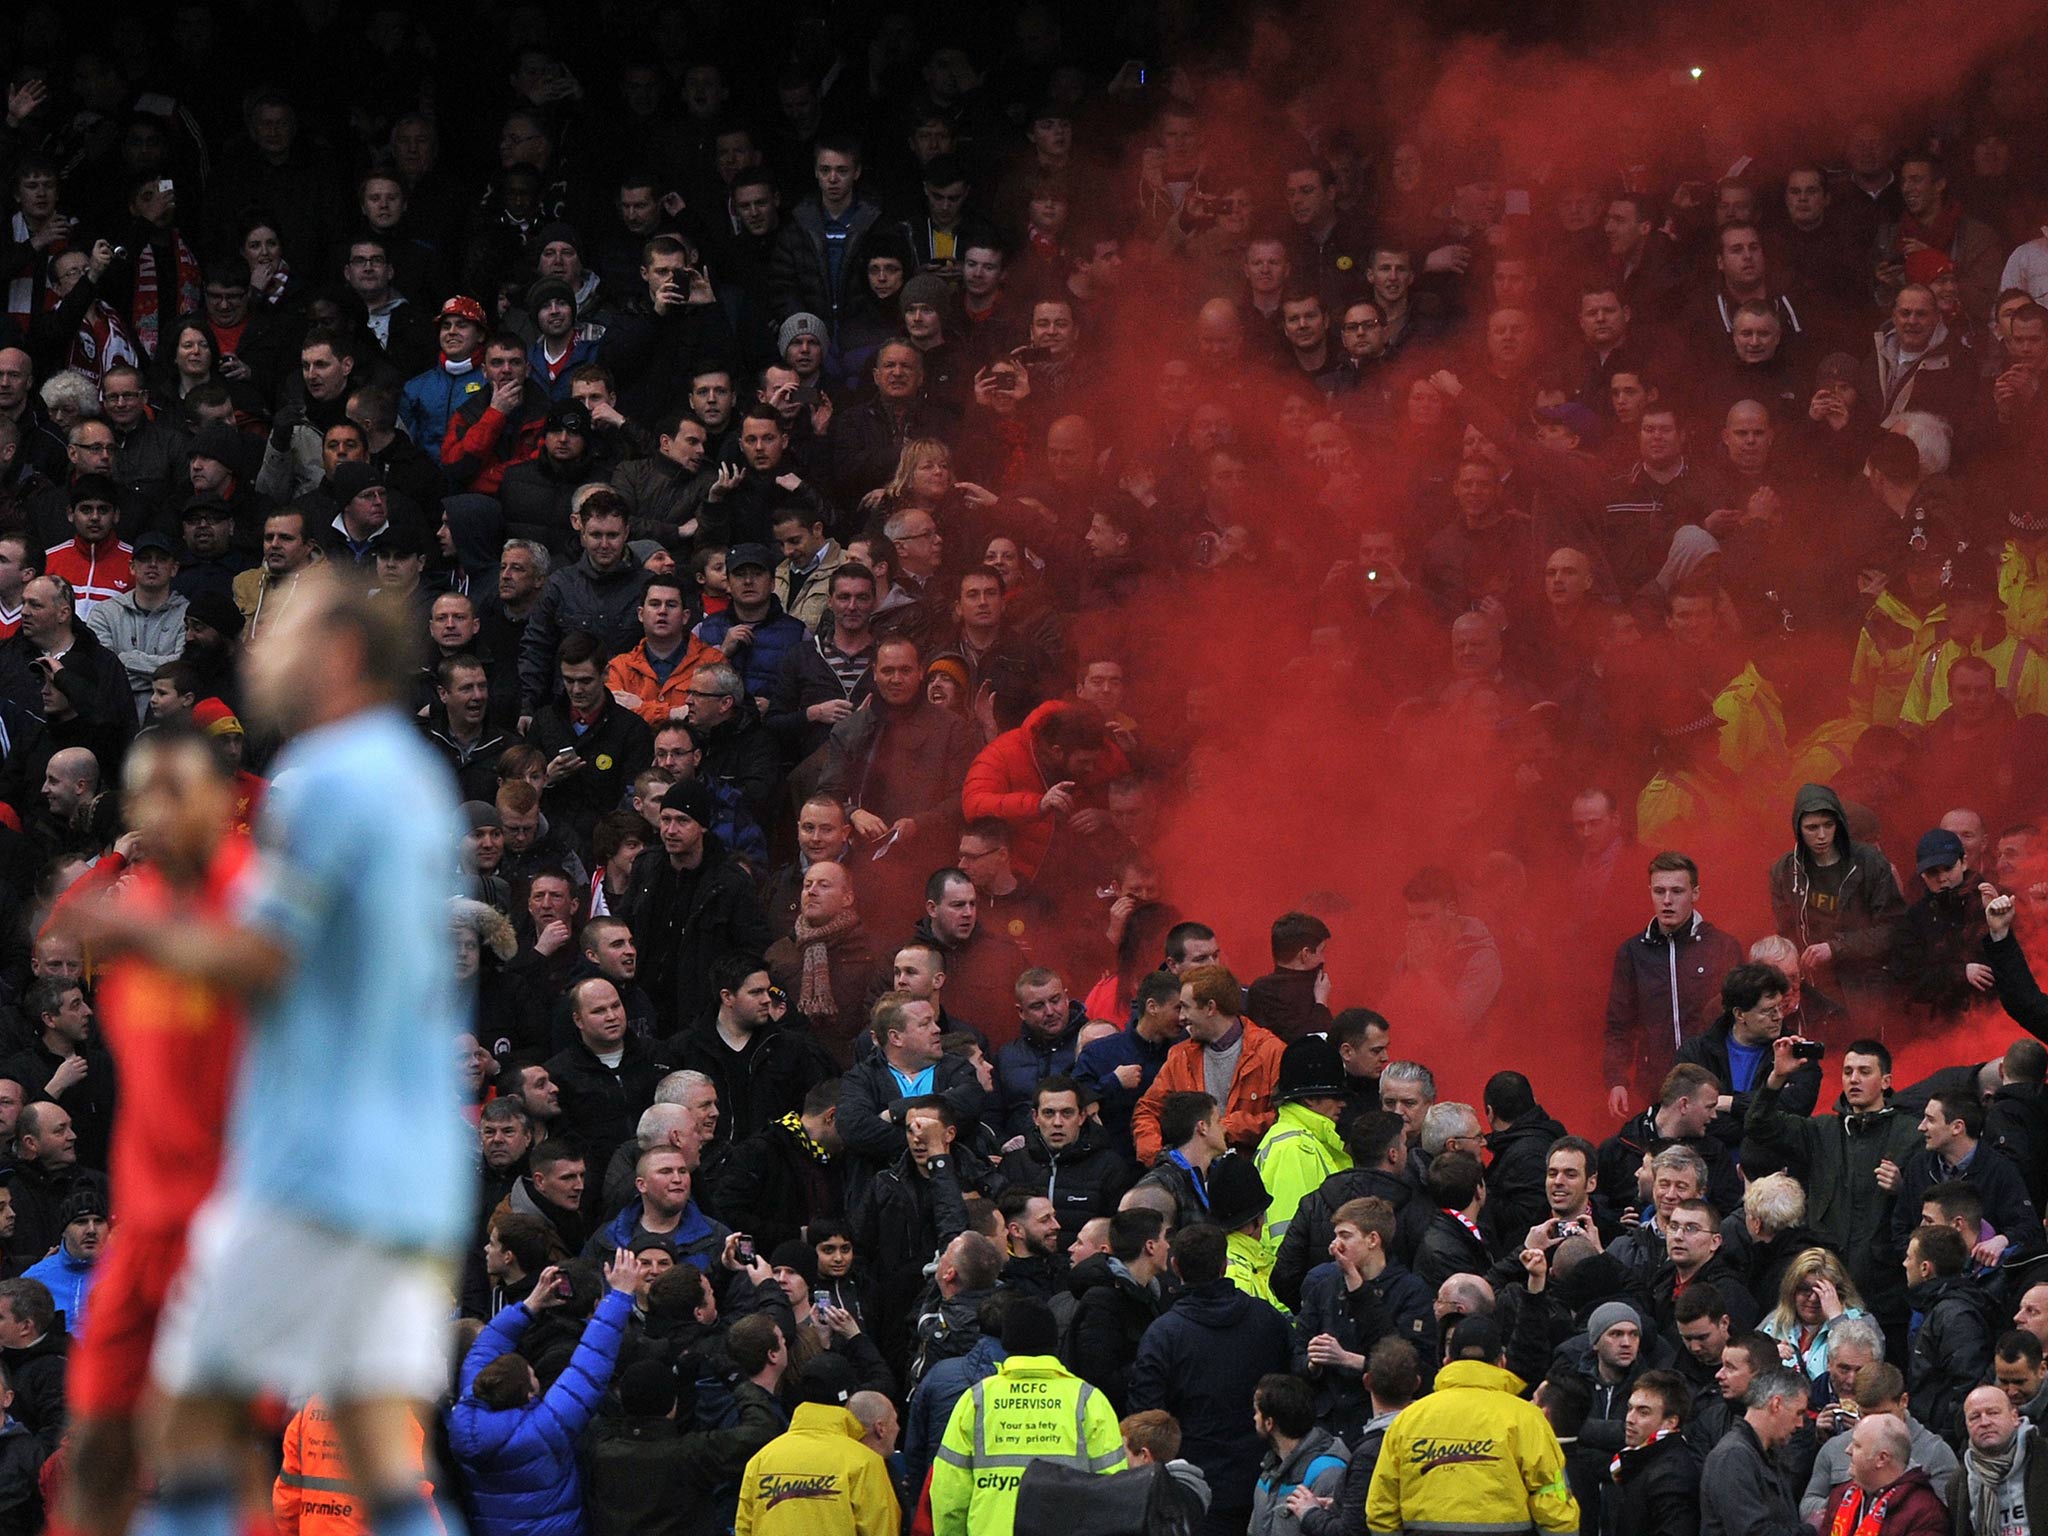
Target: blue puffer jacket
[(759, 662), (70, 1282), (520, 1463), (931, 1405), (431, 398)]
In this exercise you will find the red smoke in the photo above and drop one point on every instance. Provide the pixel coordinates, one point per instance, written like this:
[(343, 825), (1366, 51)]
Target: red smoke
[(1299, 793)]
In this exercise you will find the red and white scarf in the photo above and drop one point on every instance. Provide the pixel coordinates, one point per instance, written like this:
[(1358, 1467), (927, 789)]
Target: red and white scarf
[(21, 291), (101, 341), (1870, 1522), (1614, 1466), (148, 312), (273, 291)]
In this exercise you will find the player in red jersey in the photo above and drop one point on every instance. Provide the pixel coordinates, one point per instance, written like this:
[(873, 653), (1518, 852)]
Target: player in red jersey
[(175, 1042)]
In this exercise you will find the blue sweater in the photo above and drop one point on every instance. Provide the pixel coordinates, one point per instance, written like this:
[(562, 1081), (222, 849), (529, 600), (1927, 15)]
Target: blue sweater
[(521, 1463), (70, 1282)]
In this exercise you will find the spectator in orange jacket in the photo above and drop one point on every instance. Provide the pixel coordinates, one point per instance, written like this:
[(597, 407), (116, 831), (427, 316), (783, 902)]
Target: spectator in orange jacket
[(310, 1496), (1220, 1039), (657, 671), (1039, 774)]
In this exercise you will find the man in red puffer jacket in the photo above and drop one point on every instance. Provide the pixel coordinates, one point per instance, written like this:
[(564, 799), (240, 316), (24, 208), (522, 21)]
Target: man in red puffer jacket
[(1040, 774)]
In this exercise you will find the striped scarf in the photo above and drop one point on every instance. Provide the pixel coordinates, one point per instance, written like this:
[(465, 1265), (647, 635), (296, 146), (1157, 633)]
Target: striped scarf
[(184, 297), (794, 1124), (1629, 1453), (101, 341), (814, 998)]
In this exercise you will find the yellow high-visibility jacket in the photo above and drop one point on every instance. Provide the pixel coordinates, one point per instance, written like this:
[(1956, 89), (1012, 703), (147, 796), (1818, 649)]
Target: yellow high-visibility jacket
[(1472, 1455), (1033, 1406), (1892, 637), (2021, 670), (1294, 1157), (817, 1479), (1248, 1265), (2023, 586), (1752, 720)]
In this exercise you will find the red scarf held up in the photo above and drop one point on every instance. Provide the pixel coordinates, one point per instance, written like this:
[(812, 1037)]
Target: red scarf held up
[(149, 296), (101, 341)]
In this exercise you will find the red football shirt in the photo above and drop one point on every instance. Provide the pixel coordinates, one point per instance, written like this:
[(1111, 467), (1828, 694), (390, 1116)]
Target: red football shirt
[(175, 1042)]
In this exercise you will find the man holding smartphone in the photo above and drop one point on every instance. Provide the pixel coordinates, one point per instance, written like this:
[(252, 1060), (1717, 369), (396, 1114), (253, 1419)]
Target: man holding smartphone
[(595, 746), (659, 341)]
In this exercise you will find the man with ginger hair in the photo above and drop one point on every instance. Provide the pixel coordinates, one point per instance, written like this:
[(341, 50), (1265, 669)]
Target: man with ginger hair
[(1226, 1055)]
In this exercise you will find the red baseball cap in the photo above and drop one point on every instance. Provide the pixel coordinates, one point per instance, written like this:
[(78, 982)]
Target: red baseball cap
[(463, 307)]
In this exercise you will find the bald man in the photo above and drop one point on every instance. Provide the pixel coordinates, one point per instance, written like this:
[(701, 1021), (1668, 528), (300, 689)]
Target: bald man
[(90, 678), (1219, 334), (1463, 1296), (38, 446), (1552, 652), (877, 1416), (828, 921), (1992, 1426), (1880, 1469), (1070, 452), (2032, 1314), (70, 783), (1968, 826)]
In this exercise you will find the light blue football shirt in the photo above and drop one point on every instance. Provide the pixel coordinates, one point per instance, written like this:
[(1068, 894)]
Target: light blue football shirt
[(347, 1107)]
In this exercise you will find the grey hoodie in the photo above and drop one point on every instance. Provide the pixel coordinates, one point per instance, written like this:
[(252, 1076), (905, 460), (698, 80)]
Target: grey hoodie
[(1319, 1461)]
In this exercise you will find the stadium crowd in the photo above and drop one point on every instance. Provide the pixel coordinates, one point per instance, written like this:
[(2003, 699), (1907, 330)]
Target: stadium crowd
[(879, 520)]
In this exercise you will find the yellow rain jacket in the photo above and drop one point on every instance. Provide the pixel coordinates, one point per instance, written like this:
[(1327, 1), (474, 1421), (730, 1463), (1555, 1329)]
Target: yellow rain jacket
[(1294, 1157), (817, 1479), (1472, 1455)]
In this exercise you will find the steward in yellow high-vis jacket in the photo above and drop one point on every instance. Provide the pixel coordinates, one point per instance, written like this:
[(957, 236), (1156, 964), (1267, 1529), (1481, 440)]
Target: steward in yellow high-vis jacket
[(1033, 1406), (817, 1479), (1472, 1455)]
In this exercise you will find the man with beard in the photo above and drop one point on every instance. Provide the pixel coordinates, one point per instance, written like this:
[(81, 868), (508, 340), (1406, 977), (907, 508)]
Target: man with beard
[(213, 625)]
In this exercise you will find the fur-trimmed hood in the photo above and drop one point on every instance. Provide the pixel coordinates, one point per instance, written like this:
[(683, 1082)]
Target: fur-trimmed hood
[(492, 928)]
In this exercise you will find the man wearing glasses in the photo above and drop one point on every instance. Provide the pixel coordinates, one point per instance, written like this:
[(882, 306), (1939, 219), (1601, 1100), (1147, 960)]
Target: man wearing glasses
[(404, 330), (246, 344), (149, 455), (1692, 1244), (88, 450)]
